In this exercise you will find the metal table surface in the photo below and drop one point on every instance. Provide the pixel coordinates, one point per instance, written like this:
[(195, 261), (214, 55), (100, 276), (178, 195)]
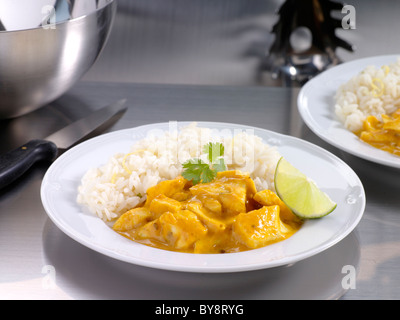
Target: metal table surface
[(38, 261)]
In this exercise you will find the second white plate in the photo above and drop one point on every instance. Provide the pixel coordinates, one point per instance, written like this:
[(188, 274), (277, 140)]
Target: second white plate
[(316, 104)]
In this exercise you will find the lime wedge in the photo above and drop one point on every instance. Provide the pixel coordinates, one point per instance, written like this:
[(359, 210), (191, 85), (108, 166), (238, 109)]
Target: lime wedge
[(300, 193)]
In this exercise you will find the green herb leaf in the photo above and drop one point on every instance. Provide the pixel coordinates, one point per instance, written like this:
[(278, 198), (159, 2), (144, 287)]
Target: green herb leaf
[(219, 165), (207, 175), (198, 171)]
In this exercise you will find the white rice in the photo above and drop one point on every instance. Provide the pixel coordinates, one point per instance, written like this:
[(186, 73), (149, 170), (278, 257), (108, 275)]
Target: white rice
[(358, 98), (121, 184)]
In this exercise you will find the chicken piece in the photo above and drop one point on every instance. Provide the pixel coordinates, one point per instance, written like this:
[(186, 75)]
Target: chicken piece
[(210, 190), (250, 185), (270, 198), (181, 195), (162, 204), (260, 227), (251, 189), (231, 174), (132, 219), (167, 188), (234, 199), (213, 223), (383, 137), (372, 123), (230, 192), (213, 205), (392, 124), (178, 230)]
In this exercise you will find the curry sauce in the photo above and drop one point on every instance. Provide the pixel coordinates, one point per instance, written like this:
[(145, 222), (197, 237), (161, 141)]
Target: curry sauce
[(222, 216), (382, 134)]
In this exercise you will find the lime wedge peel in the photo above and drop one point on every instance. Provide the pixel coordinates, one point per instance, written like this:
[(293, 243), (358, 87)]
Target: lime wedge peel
[(300, 193)]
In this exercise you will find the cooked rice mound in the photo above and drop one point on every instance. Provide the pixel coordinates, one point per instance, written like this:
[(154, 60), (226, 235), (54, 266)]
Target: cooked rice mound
[(374, 91), (121, 184)]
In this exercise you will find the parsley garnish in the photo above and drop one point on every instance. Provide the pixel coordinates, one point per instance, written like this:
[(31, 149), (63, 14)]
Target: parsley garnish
[(199, 171)]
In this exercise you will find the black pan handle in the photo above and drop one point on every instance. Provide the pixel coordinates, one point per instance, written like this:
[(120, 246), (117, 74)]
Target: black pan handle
[(15, 163)]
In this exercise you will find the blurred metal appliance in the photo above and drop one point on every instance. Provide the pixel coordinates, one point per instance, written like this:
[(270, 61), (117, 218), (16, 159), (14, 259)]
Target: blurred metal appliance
[(305, 41)]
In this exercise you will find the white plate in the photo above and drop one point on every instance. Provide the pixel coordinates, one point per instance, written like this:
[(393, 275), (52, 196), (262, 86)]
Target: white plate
[(59, 192), (316, 103)]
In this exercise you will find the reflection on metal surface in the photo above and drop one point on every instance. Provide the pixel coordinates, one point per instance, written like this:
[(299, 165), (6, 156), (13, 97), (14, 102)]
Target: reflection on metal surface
[(38, 124), (374, 260), (318, 277), (33, 289), (41, 122), (296, 124), (91, 125)]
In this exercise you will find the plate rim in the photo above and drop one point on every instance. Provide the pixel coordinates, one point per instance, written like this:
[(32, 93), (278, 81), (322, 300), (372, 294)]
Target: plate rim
[(308, 118), (287, 260)]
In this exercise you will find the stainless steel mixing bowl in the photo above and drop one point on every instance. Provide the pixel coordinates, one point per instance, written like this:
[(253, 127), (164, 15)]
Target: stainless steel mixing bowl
[(38, 65)]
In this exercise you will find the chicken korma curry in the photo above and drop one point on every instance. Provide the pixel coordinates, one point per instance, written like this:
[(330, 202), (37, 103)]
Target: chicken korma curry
[(221, 216), (383, 134)]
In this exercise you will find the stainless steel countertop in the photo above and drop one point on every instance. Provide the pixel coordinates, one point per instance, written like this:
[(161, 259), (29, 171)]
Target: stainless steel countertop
[(38, 261)]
